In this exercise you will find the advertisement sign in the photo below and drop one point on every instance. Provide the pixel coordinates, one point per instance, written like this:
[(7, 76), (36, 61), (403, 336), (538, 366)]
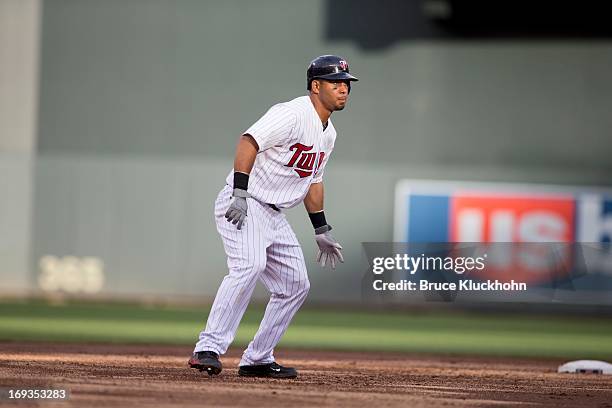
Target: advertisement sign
[(545, 236)]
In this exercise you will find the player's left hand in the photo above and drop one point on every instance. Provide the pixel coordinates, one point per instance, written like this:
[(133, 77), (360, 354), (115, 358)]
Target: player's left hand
[(329, 248)]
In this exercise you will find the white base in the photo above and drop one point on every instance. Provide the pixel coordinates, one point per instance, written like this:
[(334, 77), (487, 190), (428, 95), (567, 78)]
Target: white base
[(586, 366)]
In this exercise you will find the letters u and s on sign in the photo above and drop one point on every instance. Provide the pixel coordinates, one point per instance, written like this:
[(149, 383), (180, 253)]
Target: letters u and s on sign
[(487, 213), (438, 211)]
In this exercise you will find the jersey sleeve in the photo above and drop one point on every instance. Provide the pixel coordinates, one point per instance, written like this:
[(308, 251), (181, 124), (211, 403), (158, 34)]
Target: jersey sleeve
[(273, 128)]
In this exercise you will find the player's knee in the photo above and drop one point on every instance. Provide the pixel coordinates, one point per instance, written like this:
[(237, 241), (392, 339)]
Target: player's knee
[(258, 267), (250, 267), (303, 287)]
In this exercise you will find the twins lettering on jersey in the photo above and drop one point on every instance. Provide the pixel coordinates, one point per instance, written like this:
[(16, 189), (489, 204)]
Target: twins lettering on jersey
[(303, 161)]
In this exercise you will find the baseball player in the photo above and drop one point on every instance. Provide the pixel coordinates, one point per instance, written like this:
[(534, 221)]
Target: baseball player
[(279, 163)]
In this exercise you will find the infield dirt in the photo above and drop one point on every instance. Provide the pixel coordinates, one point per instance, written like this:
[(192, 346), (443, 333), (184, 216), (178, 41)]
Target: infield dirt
[(137, 376)]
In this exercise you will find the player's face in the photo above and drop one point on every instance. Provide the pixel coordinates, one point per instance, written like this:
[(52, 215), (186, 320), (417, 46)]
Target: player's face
[(334, 94)]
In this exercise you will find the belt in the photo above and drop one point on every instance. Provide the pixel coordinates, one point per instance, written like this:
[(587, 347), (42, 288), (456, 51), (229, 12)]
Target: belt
[(272, 206)]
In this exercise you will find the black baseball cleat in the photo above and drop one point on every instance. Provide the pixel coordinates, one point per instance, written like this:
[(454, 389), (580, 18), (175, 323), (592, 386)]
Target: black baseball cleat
[(206, 361), (272, 370)]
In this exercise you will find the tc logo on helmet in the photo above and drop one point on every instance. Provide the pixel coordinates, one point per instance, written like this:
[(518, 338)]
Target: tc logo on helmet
[(343, 64)]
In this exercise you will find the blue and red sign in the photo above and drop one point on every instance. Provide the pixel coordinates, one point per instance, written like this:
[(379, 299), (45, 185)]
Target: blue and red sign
[(437, 211), (541, 223)]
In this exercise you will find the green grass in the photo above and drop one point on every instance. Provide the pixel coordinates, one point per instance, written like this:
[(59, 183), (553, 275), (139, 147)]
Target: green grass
[(454, 333)]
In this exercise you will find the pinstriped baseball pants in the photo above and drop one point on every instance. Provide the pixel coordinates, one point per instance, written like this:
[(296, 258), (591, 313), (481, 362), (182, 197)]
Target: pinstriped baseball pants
[(265, 248)]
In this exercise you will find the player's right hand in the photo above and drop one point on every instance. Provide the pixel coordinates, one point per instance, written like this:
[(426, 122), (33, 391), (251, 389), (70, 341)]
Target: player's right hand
[(237, 211)]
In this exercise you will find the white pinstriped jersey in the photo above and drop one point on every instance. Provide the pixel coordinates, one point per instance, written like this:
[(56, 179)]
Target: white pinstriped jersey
[(293, 152)]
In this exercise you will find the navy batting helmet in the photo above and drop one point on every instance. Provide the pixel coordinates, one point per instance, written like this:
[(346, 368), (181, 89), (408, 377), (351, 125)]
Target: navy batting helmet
[(330, 67)]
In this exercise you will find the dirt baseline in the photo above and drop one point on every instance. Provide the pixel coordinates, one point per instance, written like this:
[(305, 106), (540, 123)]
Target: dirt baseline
[(120, 375)]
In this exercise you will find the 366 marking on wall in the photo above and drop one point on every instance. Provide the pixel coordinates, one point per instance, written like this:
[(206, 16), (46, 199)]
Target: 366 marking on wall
[(71, 274)]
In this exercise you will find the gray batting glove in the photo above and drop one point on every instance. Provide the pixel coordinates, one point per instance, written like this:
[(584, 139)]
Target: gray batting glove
[(237, 211), (329, 248)]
